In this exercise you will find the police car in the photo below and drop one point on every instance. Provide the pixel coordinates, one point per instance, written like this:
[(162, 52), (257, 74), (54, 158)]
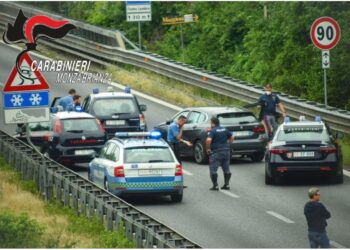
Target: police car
[(73, 137), (304, 147), (138, 162)]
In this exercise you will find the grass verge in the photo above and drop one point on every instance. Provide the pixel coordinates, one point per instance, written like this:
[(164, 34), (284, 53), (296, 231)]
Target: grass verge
[(59, 227)]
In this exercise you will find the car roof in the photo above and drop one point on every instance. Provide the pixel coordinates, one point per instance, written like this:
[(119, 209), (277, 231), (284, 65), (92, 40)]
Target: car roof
[(141, 142), (304, 123), (217, 110), (72, 114), (111, 94)]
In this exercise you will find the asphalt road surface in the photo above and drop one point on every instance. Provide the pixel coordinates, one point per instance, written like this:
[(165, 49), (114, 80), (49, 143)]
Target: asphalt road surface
[(250, 215)]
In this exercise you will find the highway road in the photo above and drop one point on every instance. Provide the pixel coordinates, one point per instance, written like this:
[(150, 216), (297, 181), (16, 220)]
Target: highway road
[(250, 215)]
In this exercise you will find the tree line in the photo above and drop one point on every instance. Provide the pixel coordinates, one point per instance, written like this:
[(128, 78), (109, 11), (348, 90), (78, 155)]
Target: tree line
[(259, 42)]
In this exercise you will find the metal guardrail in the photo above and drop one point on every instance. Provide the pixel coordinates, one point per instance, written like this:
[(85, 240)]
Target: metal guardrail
[(55, 181), (106, 53)]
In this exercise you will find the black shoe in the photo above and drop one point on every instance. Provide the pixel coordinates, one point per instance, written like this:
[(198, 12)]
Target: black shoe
[(214, 188), (214, 179), (225, 187)]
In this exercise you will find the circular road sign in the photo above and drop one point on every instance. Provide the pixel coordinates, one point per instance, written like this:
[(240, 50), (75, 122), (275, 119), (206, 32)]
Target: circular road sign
[(325, 33)]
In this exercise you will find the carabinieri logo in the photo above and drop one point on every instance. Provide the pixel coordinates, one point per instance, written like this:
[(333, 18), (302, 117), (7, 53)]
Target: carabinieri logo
[(28, 31)]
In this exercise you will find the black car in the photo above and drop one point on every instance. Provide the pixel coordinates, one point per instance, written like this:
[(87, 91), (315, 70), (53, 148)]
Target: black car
[(74, 137), (117, 111), (303, 147), (250, 138)]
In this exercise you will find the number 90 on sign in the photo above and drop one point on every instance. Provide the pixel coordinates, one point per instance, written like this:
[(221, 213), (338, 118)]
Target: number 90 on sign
[(325, 33)]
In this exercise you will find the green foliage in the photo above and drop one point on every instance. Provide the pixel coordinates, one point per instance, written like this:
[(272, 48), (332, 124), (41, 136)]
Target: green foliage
[(92, 227), (236, 39), (19, 231)]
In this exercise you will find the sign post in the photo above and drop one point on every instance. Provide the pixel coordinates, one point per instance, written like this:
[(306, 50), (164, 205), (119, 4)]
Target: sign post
[(138, 11), (325, 34)]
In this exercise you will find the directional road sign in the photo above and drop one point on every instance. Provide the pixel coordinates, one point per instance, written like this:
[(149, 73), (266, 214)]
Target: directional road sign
[(137, 11), (326, 59), (325, 33)]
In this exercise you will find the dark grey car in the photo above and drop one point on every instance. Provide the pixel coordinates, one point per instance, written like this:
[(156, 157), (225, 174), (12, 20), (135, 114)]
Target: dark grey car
[(250, 138)]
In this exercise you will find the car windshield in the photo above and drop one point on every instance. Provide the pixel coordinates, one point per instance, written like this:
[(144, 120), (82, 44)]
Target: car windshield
[(148, 154), (305, 133), (236, 118), (108, 107), (39, 126), (79, 125)]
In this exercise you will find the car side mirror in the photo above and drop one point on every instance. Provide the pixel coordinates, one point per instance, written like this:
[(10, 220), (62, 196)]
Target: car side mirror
[(143, 107), (339, 135), (168, 122)]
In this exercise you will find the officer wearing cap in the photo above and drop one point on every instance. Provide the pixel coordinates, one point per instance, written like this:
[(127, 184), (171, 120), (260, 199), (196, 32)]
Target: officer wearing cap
[(218, 149)]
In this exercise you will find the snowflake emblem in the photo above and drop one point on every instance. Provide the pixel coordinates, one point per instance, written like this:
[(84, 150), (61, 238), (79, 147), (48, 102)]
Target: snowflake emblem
[(35, 99), (17, 100)]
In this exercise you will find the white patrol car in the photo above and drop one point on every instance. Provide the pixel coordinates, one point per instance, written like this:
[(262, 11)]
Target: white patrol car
[(138, 162), (304, 147)]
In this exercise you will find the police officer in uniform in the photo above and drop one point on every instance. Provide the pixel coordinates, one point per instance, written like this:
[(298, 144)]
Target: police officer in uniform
[(218, 149), (174, 138)]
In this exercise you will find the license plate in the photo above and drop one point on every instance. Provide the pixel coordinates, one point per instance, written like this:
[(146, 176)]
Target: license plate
[(150, 171), (304, 154), (84, 152), (241, 133), (115, 122)]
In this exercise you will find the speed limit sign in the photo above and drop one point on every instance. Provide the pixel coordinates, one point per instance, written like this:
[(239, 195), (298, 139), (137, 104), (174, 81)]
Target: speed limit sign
[(325, 33)]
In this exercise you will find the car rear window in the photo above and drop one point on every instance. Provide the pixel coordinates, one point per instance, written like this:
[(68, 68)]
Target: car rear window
[(39, 126), (148, 154), (236, 118), (108, 107), (79, 125), (303, 133)]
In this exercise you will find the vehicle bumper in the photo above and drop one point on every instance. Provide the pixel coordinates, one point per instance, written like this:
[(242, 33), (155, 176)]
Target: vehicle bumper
[(66, 155), (240, 147)]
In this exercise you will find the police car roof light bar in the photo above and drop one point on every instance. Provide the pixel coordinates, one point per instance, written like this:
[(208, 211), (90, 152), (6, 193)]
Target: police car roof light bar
[(127, 90), (152, 135), (95, 90), (286, 119), (318, 119), (302, 118)]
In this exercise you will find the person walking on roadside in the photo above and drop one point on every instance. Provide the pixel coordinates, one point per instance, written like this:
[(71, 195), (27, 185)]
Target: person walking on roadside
[(174, 137), (316, 215), (268, 103), (65, 101), (218, 149)]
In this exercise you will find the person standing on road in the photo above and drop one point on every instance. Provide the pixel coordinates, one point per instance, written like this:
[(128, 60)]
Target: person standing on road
[(316, 215), (64, 102), (174, 138), (268, 103), (218, 149)]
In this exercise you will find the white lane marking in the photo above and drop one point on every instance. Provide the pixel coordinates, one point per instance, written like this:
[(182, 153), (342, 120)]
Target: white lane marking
[(229, 194), (346, 172), (336, 245), (281, 217), (187, 172)]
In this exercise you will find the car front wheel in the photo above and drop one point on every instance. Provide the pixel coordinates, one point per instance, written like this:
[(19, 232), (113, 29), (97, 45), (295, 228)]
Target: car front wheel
[(199, 154)]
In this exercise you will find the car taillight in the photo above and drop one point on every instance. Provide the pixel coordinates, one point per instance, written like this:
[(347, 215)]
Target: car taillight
[(142, 121), (259, 129), (46, 137), (100, 127), (178, 170), (58, 127), (328, 150), (119, 171), (278, 151)]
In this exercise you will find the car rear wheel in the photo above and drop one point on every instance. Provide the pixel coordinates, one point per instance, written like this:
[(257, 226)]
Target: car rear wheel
[(177, 197), (199, 155), (269, 180), (259, 156), (338, 178)]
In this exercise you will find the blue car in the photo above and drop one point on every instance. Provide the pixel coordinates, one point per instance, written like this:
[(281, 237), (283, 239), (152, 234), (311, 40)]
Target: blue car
[(138, 163)]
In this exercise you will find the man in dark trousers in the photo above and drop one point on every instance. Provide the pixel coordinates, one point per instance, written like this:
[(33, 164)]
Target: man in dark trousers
[(174, 138), (218, 149), (316, 215)]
